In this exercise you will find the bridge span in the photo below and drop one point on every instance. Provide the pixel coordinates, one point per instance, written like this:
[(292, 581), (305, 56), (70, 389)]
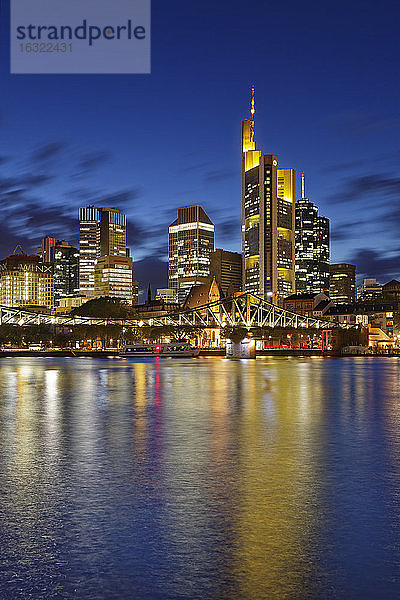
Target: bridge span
[(245, 310)]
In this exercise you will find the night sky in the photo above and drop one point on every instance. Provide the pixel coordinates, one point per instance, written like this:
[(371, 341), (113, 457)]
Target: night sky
[(327, 102)]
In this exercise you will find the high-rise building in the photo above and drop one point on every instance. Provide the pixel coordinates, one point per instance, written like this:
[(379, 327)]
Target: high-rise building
[(226, 267), (26, 281), (268, 220), (369, 290), (102, 232), (46, 250), (113, 277), (191, 241), (112, 233), (66, 272), (89, 247), (342, 287), (312, 246)]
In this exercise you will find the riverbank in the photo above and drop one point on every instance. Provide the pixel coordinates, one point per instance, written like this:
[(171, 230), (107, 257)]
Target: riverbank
[(112, 353)]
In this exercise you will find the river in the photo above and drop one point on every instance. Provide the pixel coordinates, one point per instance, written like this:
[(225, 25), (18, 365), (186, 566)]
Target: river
[(276, 478)]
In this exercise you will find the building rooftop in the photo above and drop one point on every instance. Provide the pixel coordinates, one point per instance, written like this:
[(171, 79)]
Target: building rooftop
[(305, 296)]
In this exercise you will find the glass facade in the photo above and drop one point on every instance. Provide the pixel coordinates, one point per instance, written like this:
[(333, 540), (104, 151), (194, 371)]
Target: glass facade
[(66, 272), (191, 241), (102, 232), (342, 287), (113, 278), (267, 221), (312, 248)]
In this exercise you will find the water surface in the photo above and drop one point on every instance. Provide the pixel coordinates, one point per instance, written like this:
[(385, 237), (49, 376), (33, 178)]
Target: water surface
[(199, 478)]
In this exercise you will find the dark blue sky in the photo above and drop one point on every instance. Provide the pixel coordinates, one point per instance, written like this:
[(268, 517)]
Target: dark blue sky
[(327, 102)]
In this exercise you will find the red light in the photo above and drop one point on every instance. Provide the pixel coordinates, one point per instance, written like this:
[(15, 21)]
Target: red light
[(157, 347)]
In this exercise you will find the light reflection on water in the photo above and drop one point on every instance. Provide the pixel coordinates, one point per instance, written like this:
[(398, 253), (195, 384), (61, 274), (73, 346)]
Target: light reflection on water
[(208, 478)]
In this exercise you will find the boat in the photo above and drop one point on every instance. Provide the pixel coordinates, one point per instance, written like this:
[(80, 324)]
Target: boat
[(171, 349)]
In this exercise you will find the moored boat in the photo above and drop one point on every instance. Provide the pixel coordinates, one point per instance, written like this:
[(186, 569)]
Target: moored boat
[(172, 349)]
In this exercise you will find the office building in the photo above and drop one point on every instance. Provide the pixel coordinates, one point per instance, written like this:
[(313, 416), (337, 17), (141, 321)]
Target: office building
[(268, 220), (102, 232), (26, 281), (312, 246), (191, 242), (66, 272), (46, 250), (135, 293), (369, 290), (112, 233), (226, 267), (113, 277), (391, 289), (167, 294), (342, 286)]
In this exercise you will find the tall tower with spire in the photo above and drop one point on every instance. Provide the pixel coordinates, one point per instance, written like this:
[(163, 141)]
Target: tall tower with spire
[(311, 245), (267, 219)]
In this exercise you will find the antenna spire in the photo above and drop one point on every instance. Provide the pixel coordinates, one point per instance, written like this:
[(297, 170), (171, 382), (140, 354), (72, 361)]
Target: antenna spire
[(253, 110), (303, 186)]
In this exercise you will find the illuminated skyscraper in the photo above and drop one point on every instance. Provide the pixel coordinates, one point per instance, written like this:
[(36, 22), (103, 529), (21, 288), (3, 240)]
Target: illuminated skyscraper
[(191, 241), (267, 220), (46, 250), (66, 271), (312, 246), (102, 232), (113, 277), (342, 289)]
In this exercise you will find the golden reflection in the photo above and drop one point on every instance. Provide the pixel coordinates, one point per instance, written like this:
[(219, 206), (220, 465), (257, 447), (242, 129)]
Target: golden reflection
[(276, 480)]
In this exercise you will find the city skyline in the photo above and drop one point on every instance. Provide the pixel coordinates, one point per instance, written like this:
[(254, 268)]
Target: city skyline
[(340, 127)]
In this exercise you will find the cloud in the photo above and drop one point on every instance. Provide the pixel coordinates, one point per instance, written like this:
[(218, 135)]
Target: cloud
[(359, 124), (25, 217), (120, 199), (47, 151), (196, 167), (372, 263), (219, 175), (92, 161), (228, 229), (381, 185), (136, 234), (347, 231), (346, 166)]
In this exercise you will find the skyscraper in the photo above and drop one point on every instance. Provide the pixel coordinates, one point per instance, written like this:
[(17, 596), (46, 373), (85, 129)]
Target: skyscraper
[(312, 246), (112, 233), (46, 250), (89, 248), (267, 220), (66, 272), (226, 267), (102, 232), (191, 241), (113, 277), (342, 288)]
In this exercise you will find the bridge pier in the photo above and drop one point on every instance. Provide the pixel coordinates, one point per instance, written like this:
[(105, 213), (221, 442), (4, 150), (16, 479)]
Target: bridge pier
[(244, 349)]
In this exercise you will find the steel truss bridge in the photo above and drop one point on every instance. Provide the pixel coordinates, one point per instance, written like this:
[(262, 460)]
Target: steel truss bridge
[(246, 310)]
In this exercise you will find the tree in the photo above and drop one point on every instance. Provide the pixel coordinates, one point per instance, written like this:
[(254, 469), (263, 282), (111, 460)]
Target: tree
[(105, 307), (236, 334)]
